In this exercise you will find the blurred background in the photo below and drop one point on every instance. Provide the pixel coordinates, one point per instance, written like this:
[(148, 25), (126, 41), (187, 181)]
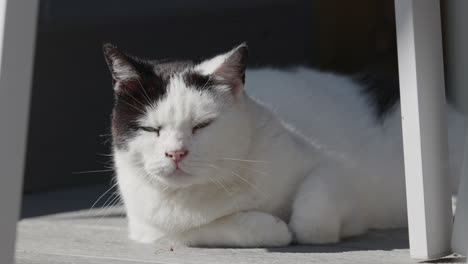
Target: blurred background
[(68, 162), (72, 93), (69, 129)]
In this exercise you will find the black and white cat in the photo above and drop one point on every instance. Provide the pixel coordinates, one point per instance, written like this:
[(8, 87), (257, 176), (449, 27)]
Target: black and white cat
[(201, 162)]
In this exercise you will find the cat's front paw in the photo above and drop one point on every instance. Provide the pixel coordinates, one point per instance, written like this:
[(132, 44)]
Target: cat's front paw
[(310, 233), (245, 229), (279, 234), (143, 233)]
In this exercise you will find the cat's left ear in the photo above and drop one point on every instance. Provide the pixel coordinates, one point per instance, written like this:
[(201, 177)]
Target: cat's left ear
[(227, 69), (126, 70)]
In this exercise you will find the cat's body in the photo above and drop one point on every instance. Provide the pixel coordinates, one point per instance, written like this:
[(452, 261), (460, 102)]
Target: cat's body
[(202, 163)]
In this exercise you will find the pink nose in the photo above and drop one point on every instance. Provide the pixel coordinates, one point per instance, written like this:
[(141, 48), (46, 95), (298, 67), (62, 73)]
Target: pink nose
[(176, 155)]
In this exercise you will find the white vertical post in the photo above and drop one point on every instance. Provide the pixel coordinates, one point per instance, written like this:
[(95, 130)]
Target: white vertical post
[(420, 61), (17, 37)]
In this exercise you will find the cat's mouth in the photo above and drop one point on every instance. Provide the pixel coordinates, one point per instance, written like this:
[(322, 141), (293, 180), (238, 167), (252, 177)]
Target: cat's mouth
[(172, 175), (178, 169), (178, 178), (178, 172)]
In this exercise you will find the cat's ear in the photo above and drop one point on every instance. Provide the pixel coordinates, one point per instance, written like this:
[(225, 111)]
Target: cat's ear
[(125, 69), (227, 69)]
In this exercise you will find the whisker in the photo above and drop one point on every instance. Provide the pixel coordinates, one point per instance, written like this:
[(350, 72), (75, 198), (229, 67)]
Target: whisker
[(128, 93), (91, 171), (195, 165), (100, 197), (245, 160), (109, 199), (213, 180), (105, 135), (243, 179), (145, 95), (138, 109), (109, 207), (254, 170), (220, 184), (148, 176), (107, 164), (207, 81), (232, 158), (116, 201), (105, 155)]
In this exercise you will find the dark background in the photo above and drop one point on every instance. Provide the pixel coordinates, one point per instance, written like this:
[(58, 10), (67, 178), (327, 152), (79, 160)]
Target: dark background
[(72, 94)]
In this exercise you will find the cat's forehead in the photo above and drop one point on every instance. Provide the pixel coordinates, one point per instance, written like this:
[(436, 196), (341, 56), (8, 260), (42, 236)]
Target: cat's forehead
[(184, 101), (168, 67), (192, 76)]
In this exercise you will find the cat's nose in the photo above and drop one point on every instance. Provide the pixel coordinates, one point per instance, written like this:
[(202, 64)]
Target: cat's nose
[(176, 155)]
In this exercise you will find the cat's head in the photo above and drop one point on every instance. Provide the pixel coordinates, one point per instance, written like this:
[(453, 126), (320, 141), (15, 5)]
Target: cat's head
[(177, 122)]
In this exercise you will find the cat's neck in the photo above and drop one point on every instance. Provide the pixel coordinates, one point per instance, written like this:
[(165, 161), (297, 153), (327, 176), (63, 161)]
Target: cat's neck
[(272, 138)]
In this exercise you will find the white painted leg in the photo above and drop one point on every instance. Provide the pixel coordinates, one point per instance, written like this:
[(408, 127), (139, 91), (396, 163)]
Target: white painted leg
[(17, 36), (424, 126)]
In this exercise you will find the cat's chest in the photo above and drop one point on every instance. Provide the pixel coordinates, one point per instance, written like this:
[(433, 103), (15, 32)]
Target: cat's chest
[(182, 210)]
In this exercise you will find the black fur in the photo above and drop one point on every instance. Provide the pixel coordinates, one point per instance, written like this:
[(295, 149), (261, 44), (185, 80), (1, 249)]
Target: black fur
[(133, 95), (130, 103), (167, 68), (198, 81), (382, 92)]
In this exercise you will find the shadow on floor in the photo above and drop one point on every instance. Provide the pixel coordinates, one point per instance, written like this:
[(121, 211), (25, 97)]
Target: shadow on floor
[(83, 198), (67, 200), (374, 240), (450, 259)]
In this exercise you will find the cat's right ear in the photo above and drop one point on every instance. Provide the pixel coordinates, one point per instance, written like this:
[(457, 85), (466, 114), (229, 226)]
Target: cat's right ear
[(228, 69), (124, 69)]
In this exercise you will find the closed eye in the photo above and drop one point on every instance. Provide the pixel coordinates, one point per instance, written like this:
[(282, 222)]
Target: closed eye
[(201, 125), (151, 129)]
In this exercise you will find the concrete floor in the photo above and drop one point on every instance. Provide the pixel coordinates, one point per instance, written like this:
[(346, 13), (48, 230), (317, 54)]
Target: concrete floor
[(58, 228)]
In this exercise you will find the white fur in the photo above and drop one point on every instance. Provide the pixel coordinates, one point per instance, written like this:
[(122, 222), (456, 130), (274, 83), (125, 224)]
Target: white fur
[(211, 65), (329, 170)]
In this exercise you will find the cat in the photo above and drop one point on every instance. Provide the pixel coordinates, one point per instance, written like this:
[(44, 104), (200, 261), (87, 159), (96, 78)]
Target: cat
[(209, 154)]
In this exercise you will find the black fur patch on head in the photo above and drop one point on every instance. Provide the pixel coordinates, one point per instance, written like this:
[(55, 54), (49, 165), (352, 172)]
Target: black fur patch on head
[(166, 68), (133, 95), (140, 83), (130, 104), (382, 92), (198, 81)]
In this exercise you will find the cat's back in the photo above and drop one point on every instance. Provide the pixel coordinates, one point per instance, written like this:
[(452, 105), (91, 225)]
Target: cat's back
[(330, 110)]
